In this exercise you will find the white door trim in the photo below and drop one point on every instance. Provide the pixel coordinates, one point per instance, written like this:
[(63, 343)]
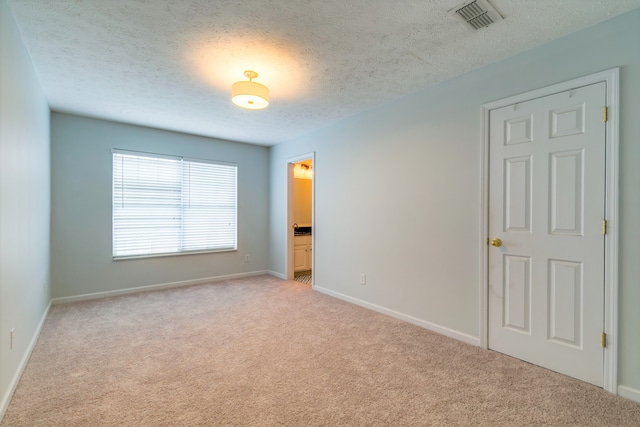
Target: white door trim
[(611, 77), (289, 217)]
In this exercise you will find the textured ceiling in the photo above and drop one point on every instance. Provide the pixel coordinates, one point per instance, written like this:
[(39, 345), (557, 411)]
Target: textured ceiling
[(170, 64)]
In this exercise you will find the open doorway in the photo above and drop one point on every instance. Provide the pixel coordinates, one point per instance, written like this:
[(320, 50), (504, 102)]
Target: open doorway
[(300, 229)]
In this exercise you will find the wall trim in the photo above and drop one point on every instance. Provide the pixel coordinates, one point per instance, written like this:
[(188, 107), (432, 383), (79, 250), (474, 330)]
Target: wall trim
[(401, 316), (278, 275), (612, 78), (6, 399), (107, 294), (629, 393)]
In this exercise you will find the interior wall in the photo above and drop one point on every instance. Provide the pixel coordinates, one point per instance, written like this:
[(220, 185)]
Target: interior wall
[(81, 203), (24, 203), (410, 219), (302, 196)]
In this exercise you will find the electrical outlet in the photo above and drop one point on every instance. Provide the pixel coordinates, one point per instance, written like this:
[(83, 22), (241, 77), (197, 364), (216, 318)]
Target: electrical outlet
[(363, 279), (246, 258), (11, 338)]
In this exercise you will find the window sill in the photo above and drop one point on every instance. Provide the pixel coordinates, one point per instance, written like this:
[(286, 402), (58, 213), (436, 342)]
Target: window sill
[(124, 258)]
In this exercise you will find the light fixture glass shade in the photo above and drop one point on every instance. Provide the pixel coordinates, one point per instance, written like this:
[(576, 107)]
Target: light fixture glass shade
[(250, 95), (302, 171)]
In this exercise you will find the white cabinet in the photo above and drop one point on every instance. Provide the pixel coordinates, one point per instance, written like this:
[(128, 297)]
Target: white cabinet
[(302, 253)]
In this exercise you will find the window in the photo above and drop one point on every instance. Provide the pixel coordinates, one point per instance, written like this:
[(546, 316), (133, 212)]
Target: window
[(168, 205)]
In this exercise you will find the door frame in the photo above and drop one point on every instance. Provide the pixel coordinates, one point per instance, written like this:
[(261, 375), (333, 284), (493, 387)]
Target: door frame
[(611, 77), (289, 208)]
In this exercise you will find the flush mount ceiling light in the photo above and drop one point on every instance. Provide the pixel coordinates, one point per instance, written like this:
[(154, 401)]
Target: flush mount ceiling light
[(303, 171), (250, 95)]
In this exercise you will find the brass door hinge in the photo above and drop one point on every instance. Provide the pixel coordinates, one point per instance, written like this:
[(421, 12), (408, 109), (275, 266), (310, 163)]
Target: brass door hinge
[(604, 226), (604, 114), (603, 340)]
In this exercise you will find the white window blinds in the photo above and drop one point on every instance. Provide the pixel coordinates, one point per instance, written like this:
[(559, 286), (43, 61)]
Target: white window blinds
[(166, 205)]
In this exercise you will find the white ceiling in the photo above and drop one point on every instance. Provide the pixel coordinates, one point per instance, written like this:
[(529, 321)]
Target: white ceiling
[(170, 64)]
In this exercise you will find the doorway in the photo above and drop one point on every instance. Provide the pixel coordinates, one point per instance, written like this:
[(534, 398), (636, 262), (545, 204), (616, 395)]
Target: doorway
[(300, 219), (550, 190)]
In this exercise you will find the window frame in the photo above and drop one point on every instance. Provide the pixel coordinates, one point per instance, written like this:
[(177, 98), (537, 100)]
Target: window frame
[(182, 191)]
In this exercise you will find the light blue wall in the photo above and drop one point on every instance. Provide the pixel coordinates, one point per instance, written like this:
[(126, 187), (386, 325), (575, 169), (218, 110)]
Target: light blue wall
[(24, 203), (81, 204), (398, 188)]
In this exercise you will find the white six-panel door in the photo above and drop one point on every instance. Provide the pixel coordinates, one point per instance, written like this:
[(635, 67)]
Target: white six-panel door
[(546, 206)]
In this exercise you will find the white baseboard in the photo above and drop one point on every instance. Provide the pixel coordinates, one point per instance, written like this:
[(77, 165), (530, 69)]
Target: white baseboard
[(419, 322), (278, 275), (106, 294), (629, 393), (6, 399)]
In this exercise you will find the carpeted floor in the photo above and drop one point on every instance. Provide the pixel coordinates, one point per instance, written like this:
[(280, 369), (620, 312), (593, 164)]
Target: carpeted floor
[(263, 352)]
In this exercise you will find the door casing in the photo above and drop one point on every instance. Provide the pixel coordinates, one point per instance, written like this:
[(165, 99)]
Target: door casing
[(611, 77)]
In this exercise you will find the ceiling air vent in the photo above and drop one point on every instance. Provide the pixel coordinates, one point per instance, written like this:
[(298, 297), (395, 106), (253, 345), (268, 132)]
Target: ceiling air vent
[(477, 14)]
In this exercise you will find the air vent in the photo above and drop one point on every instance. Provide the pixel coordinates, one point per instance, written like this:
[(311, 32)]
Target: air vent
[(477, 14)]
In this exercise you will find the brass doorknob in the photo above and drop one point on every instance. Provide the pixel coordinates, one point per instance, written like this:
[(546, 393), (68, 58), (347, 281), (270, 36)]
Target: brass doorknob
[(496, 242)]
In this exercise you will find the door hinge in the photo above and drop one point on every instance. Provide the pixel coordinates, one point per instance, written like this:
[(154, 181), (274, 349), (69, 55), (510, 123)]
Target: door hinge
[(603, 340), (604, 226), (604, 114), (487, 241)]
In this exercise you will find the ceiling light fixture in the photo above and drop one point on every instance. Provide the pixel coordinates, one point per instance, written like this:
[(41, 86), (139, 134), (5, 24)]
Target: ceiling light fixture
[(303, 171), (250, 95)]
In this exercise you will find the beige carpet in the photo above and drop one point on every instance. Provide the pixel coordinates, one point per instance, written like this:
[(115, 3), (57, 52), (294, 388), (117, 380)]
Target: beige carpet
[(264, 352)]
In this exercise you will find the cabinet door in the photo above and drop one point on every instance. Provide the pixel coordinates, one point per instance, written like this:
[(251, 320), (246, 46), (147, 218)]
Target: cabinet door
[(300, 255)]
